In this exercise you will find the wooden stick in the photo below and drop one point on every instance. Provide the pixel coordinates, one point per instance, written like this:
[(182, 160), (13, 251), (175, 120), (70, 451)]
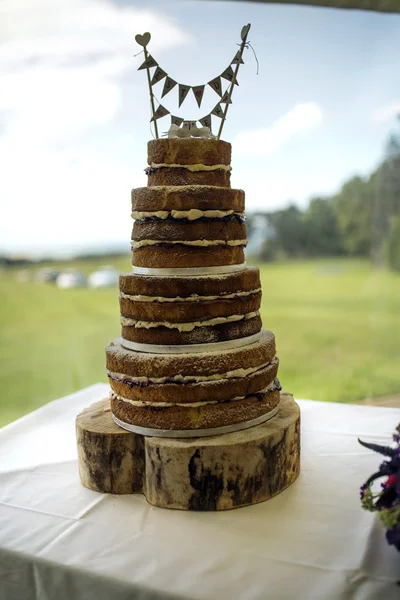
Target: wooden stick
[(242, 46), (151, 93)]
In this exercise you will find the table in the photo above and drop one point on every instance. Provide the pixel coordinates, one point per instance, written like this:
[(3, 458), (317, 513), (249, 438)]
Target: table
[(59, 540)]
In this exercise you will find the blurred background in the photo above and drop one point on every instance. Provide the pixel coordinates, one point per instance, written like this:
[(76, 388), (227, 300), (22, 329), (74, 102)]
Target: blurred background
[(316, 147)]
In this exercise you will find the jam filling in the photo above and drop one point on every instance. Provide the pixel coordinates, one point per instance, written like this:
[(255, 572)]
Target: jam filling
[(275, 388), (150, 170), (198, 248), (234, 217), (144, 384)]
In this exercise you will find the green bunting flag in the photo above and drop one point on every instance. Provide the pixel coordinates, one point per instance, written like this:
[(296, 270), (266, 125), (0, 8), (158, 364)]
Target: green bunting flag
[(206, 121), (229, 75), (188, 124), (169, 84), (148, 63), (176, 121), (226, 99), (183, 92), (158, 75), (198, 92), (238, 59), (218, 112), (216, 85), (160, 112)]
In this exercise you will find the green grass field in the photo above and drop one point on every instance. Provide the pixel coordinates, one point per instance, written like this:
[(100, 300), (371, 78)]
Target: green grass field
[(336, 324)]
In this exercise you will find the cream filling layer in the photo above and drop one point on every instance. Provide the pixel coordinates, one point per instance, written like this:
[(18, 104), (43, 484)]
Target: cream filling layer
[(193, 168), (192, 298), (186, 404), (141, 243), (234, 374), (191, 215), (127, 322)]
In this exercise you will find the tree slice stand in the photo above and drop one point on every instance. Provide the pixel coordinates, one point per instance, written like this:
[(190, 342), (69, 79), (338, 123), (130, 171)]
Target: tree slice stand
[(208, 473)]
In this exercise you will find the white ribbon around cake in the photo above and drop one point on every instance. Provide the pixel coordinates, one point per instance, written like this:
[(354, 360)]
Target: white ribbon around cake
[(190, 348), (191, 433), (189, 271)]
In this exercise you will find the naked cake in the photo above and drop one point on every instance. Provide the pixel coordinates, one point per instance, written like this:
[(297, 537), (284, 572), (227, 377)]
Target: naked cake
[(195, 222), (192, 355), (195, 418)]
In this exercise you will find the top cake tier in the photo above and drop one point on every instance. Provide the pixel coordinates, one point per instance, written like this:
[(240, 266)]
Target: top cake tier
[(188, 161)]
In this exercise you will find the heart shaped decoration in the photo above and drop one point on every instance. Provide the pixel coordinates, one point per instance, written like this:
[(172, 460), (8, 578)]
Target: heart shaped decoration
[(144, 39), (244, 32)]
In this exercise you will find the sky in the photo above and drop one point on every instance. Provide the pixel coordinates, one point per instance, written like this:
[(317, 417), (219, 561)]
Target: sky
[(75, 114)]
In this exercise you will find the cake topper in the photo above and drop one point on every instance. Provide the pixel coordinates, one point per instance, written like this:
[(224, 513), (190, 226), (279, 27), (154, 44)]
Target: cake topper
[(181, 127)]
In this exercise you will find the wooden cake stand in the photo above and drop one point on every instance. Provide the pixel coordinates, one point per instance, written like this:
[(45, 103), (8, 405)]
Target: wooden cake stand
[(208, 473)]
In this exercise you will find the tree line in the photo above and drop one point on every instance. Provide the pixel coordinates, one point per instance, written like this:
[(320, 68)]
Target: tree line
[(361, 220)]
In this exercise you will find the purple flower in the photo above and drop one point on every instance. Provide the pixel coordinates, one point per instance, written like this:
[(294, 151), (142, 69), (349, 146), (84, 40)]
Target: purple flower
[(388, 498), (393, 537), (362, 490)]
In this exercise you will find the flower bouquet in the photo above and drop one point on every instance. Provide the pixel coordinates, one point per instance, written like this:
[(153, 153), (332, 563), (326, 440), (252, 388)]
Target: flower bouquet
[(385, 501)]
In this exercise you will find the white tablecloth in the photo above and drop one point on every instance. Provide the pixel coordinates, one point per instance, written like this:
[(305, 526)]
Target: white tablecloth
[(61, 541)]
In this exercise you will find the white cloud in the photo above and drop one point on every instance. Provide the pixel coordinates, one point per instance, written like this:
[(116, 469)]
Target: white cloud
[(56, 201), (300, 119), (61, 69), (276, 190), (59, 61), (44, 29), (386, 113)]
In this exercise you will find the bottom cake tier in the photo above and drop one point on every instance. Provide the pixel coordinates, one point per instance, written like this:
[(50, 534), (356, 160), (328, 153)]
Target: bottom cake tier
[(194, 391)]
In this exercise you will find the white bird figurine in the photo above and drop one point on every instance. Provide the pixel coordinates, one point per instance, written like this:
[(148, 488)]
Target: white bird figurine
[(184, 132), (203, 132)]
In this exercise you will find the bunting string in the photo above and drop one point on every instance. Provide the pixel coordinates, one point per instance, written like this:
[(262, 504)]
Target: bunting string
[(183, 89), (248, 45), (216, 84)]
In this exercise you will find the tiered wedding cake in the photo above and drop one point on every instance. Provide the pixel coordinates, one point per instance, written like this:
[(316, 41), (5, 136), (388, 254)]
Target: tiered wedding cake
[(193, 360), (192, 357)]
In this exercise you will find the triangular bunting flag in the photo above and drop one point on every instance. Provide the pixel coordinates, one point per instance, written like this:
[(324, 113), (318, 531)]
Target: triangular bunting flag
[(218, 112), (188, 124), (183, 92), (237, 59), (148, 63), (160, 112), (158, 75), (216, 85), (176, 121), (229, 75), (198, 91), (226, 99), (206, 121), (169, 84)]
